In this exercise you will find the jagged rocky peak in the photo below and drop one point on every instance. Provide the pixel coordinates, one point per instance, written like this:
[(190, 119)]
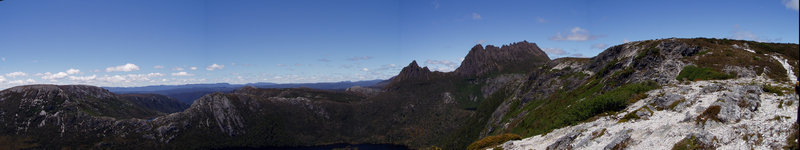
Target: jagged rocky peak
[(413, 71), (519, 55)]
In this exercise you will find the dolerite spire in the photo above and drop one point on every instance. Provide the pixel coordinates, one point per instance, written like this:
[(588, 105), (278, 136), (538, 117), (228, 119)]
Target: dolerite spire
[(513, 57), (413, 71)]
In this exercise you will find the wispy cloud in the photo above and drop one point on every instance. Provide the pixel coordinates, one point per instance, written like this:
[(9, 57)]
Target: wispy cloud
[(158, 67), (441, 65), (215, 67), (83, 78), (541, 20), (360, 58), (52, 76), (476, 16), (16, 74), (387, 67), (193, 68), (324, 60), (555, 51), (792, 4), (576, 34), (577, 55), (177, 69), (124, 68), (599, 46), (738, 33), (435, 4)]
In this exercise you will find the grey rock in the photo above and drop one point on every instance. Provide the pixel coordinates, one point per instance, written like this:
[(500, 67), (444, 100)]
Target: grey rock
[(564, 142), (619, 140), (742, 101), (712, 88), (663, 102)]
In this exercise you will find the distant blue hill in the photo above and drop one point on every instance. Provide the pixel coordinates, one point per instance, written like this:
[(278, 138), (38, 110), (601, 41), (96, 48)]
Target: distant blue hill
[(190, 92)]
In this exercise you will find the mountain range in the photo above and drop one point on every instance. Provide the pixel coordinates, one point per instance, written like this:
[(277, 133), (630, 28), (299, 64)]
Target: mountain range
[(695, 93), (189, 92)]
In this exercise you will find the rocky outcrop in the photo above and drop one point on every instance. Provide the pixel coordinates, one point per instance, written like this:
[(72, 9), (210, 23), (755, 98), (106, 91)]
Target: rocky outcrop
[(507, 58), (413, 72)]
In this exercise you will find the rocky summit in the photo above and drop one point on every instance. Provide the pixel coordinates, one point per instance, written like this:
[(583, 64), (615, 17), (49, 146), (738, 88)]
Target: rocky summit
[(513, 57), (657, 94)]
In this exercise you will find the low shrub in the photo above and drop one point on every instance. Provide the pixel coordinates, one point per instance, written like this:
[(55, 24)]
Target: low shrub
[(774, 89), (493, 140), (691, 143), (694, 73), (709, 114)]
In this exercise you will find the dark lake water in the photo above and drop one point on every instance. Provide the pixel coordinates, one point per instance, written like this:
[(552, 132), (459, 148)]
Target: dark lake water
[(335, 146)]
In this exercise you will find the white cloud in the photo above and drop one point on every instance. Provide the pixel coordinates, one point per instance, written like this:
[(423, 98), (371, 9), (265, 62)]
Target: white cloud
[(158, 67), (360, 58), (30, 81), (83, 78), (476, 16), (177, 69), (154, 74), (51, 76), (137, 77), (738, 33), (792, 4), (480, 41), (73, 71), (599, 46), (364, 69), (324, 60), (16, 74), (125, 68), (625, 40), (193, 68), (181, 74), (215, 67), (113, 79), (541, 20), (16, 82), (442, 65), (2, 79), (554, 51), (576, 34)]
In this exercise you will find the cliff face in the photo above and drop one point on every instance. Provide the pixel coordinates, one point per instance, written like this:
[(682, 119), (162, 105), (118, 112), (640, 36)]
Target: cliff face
[(513, 57)]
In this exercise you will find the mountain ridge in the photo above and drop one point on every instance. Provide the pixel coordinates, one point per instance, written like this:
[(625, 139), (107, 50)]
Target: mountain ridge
[(421, 109)]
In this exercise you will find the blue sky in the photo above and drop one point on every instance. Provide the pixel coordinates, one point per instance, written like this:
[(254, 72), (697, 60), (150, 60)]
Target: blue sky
[(153, 42)]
